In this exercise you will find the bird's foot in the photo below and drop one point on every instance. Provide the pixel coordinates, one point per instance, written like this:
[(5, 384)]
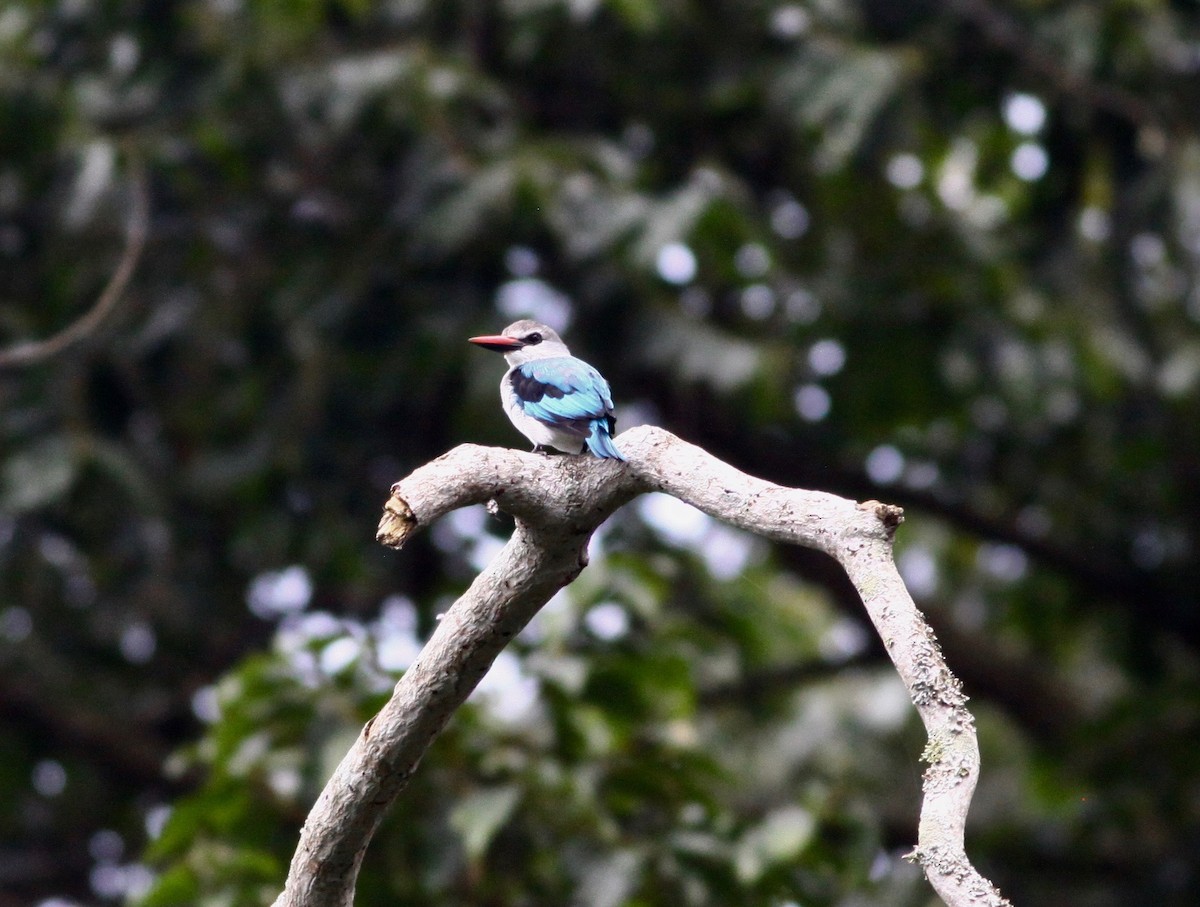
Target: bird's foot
[(545, 450)]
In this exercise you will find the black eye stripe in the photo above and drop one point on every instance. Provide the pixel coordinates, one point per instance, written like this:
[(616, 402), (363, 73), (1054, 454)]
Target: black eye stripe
[(533, 338)]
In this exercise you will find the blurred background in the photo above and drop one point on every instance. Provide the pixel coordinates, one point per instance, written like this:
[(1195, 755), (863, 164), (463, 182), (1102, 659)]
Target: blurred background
[(943, 253)]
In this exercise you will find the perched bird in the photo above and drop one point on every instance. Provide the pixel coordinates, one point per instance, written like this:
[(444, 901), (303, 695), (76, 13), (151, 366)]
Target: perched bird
[(554, 399)]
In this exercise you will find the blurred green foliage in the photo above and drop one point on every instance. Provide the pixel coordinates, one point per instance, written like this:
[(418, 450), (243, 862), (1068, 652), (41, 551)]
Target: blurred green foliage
[(945, 254)]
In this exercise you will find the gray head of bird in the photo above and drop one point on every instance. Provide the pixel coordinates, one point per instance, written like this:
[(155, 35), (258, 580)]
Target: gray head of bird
[(523, 341)]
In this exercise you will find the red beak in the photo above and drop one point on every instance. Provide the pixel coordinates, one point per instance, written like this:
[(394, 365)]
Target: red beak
[(497, 342)]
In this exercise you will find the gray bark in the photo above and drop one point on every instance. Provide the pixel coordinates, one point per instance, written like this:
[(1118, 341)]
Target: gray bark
[(558, 502)]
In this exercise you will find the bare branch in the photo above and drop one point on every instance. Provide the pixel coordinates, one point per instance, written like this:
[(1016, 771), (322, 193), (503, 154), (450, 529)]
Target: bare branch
[(1006, 33), (558, 502), (34, 352)]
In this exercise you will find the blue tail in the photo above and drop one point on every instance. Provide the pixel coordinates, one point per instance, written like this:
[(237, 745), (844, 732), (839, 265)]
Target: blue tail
[(600, 442)]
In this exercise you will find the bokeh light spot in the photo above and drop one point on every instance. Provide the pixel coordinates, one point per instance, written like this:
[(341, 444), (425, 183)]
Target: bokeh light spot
[(1030, 161), (676, 263)]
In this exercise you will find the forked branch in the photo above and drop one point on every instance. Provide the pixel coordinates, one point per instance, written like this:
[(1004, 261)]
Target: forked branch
[(558, 502)]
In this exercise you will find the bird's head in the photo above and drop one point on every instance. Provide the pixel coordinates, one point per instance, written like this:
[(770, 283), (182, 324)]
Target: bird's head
[(523, 341)]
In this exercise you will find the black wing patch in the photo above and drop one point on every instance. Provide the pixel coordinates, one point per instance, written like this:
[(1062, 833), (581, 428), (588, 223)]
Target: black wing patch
[(529, 390)]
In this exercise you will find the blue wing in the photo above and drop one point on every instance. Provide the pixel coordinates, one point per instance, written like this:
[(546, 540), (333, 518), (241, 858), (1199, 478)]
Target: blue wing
[(562, 393), (568, 395)]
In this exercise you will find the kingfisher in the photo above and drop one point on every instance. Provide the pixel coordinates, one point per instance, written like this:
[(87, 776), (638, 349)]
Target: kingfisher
[(555, 400)]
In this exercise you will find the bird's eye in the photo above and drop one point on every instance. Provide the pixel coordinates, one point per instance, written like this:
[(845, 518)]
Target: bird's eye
[(533, 338)]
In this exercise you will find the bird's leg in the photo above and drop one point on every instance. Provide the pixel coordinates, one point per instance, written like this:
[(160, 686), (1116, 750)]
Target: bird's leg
[(546, 451)]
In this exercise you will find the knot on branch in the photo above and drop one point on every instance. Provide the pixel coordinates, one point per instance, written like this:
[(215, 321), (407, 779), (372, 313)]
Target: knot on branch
[(889, 515)]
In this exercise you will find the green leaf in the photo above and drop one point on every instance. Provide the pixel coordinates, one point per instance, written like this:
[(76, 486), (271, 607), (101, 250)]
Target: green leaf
[(610, 881), (478, 817), (39, 475), (640, 15), (174, 888), (779, 838), (840, 94)]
